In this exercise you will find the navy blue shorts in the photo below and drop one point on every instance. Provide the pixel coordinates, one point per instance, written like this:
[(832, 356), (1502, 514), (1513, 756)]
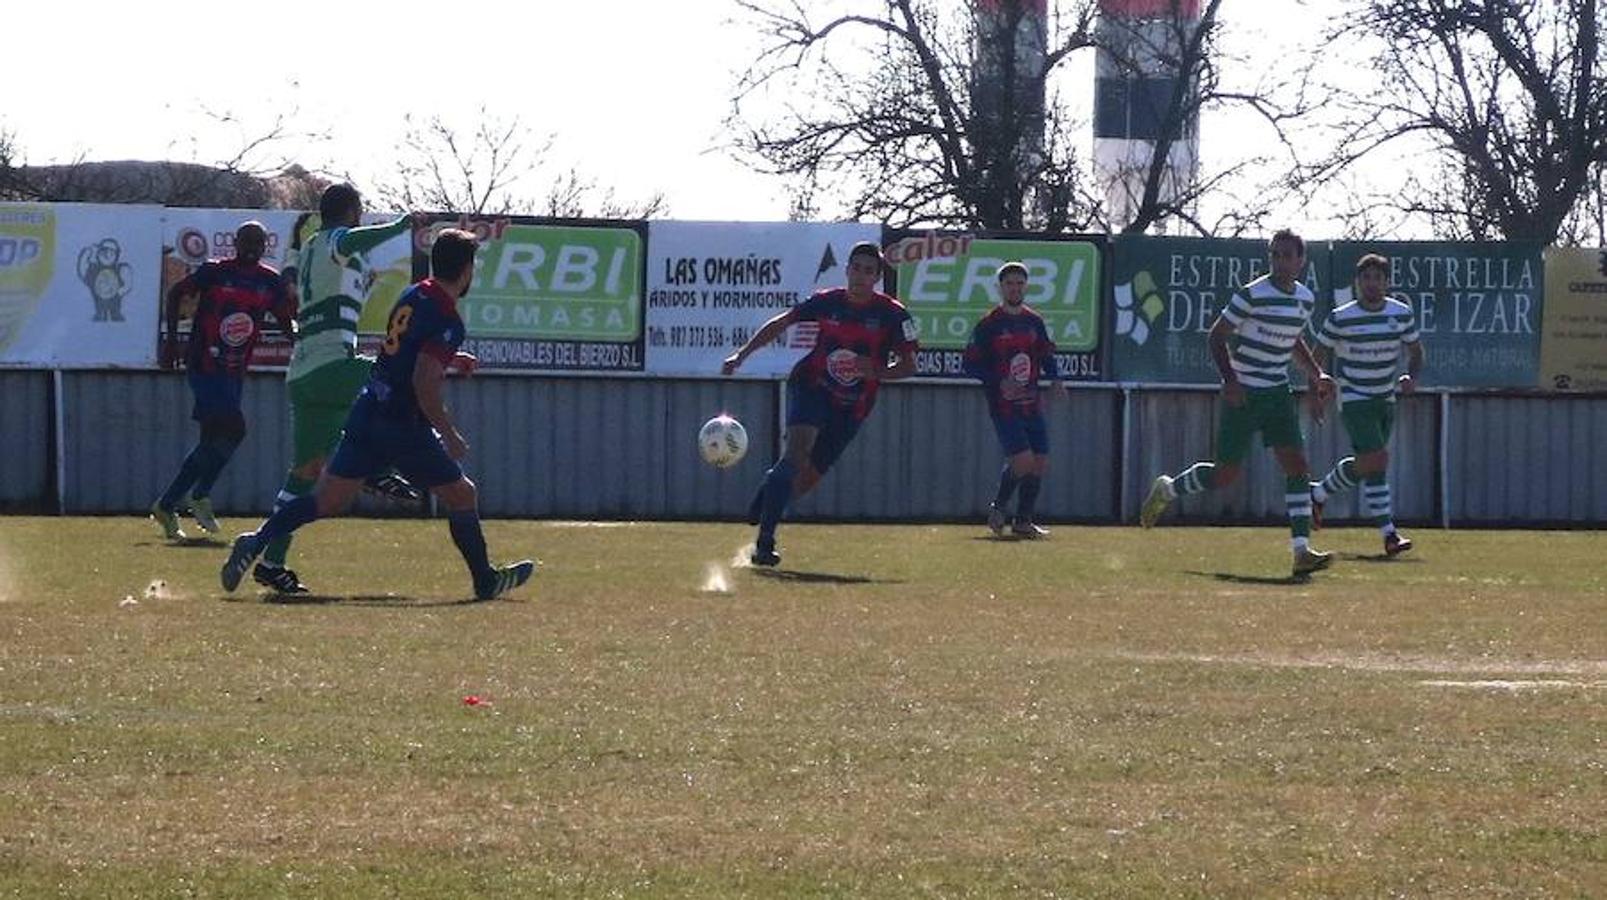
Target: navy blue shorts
[(1018, 433), (373, 442), (216, 395), (809, 404)]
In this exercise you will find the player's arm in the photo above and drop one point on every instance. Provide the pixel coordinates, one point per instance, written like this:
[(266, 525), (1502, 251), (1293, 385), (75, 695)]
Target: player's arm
[(185, 287), (1308, 362), (1047, 360), (903, 366), (767, 332), (1217, 341), (977, 362), (429, 372), (284, 309), (365, 238), (1414, 364)]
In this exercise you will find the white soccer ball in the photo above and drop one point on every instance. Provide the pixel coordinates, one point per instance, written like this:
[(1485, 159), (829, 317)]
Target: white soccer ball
[(723, 441)]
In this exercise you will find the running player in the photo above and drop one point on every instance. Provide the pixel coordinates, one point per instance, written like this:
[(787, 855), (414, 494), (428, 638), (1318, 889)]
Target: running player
[(1266, 320), (400, 419), (1008, 348), (1366, 337), (332, 275), (232, 295), (866, 337)]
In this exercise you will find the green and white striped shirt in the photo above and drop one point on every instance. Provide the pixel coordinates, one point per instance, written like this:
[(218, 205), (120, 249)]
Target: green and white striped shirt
[(1267, 323), (332, 287), (1367, 347)]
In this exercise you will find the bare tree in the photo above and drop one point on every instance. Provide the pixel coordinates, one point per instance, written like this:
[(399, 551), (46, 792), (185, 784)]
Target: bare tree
[(488, 172), (910, 139), (1502, 106)]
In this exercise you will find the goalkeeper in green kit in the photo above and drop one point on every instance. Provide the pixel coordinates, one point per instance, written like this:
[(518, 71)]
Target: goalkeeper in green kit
[(332, 275)]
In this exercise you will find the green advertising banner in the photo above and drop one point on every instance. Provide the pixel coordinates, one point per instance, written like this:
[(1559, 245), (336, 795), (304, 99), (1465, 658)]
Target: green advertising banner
[(949, 281), (1168, 292), (552, 294), (1478, 306)]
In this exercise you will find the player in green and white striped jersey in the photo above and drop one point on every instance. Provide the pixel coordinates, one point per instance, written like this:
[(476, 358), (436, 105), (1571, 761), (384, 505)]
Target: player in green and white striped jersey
[(1266, 320), (1366, 337), (332, 276)]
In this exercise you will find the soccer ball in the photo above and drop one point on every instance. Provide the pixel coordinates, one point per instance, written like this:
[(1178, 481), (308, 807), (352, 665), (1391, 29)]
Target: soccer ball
[(723, 441)]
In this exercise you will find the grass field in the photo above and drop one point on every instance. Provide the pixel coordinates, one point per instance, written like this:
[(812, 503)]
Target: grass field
[(902, 712)]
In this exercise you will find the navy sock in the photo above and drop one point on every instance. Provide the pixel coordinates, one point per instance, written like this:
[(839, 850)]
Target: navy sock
[(1029, 497), (466, 533), (1007, 486), (222, 450), (288, 518), (777, 493), (200, 459)]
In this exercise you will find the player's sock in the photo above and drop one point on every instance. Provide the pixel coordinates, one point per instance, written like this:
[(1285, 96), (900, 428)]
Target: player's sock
[(279, 547), (1007, 486), (467, 534), (777, 493), (1196, 479), (198, 461), (1028, 500), (288, 518), (222, 451), (1341, 479), (1377, 503), (1297, 498)]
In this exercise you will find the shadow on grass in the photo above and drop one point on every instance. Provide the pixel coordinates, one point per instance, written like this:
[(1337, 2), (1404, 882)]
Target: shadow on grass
[(821, 577), (390, 601), (1234, 578), (1378, 558), (188, 543)]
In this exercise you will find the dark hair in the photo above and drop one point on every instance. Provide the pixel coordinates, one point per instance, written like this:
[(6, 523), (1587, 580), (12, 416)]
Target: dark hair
[(452, 252), (867, 248), (1285, 234), (1014, 266), (250, 240), (1373, 261), (336, 201)]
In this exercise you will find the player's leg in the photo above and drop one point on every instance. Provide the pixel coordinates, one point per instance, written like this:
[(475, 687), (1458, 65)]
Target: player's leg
[(1280, 427), (319, 403), (1235, 428), (1036, 463), (808, 408), (1012, 435), (224, 434), (423, 460), (213, 398), (1361, 427), (1372, 462)]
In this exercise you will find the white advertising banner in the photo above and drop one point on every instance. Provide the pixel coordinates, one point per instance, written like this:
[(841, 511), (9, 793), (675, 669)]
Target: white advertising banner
[(710, 285), (79, 284), (190, 237)]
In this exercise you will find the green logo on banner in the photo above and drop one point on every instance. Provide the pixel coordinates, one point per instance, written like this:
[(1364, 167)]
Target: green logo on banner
[(949, 283), (557, 283)]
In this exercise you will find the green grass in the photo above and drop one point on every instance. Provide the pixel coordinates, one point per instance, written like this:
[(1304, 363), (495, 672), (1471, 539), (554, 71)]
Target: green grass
[(914, 712)]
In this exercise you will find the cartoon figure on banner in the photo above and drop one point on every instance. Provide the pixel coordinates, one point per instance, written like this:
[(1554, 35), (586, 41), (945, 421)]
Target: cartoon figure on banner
[(101, 269)]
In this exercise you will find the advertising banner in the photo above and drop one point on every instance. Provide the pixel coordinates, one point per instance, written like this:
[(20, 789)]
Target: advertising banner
[(551, 294), (1478, 306), (1168, 292), (949, 281), (712, 284), (78, 284), (1573, 346)]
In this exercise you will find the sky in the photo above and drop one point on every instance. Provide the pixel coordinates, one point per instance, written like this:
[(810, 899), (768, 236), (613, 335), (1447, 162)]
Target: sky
[(634, 92)]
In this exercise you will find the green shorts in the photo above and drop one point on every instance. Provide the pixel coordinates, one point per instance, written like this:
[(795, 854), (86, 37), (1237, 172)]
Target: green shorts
[(1270, 411), (1368, 422), (319, 402)]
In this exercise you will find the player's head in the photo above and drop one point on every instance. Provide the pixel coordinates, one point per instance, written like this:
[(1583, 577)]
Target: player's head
[(1013, 283), (1372, 277), (1287, 254), (452, 259), (864, 267), (250, 242), (340, 204)]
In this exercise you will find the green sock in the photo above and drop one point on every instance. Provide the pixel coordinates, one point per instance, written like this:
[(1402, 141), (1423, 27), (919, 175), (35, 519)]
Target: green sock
[(279, 547), (1297, 497)]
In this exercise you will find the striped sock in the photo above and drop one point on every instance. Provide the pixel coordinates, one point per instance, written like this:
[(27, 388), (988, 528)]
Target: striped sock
[(1297, 497), (1196, 479), (1377, 503), (279, 547), (1341, 479)]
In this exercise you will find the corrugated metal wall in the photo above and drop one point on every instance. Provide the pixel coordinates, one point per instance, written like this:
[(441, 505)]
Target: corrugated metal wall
[(1174, 429), (26, 464), (1532, 459), (624, 448)]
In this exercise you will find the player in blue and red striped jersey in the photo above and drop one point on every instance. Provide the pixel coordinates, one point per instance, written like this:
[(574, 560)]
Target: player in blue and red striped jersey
[(233, 296), (1008, 348), (865, 338), (400, 419)]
